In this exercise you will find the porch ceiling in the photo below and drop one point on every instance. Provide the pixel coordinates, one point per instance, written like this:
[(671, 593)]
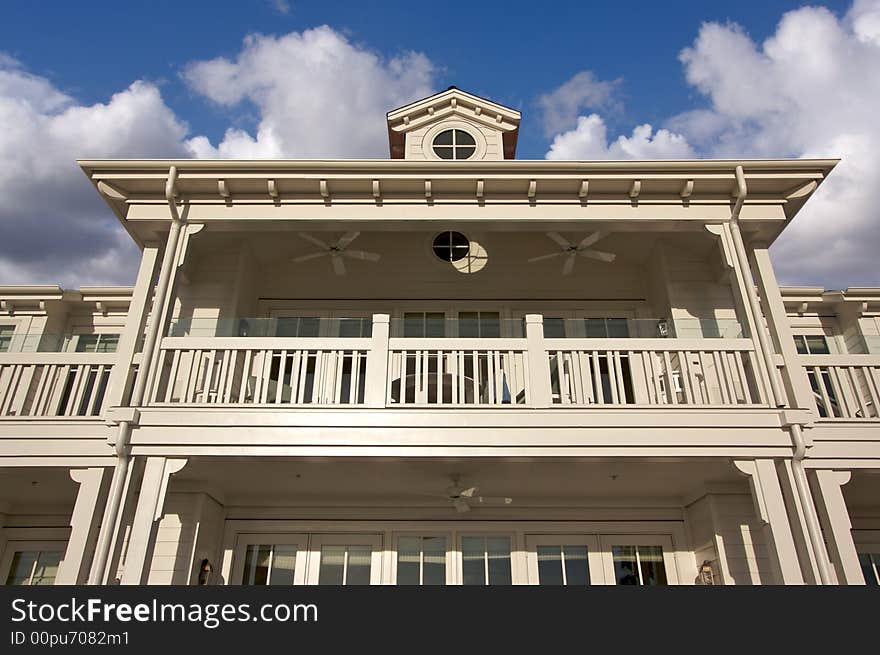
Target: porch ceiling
[(424, 482)]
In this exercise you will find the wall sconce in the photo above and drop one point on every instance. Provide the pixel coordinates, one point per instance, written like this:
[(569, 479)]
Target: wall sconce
[(205, 571), (706, 575)]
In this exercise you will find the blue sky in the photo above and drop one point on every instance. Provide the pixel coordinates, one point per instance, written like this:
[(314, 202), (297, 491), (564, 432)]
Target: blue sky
[(773, 78)]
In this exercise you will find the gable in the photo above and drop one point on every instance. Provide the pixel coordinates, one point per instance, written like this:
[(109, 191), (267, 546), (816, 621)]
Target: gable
[(413, 128)]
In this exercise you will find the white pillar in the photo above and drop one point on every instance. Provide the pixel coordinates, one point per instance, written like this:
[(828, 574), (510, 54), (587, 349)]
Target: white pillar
[(129, 339), (794, 375), (84, 524), (836, 525), (539, 364), (770, 507), (150, 506), (376, 383)]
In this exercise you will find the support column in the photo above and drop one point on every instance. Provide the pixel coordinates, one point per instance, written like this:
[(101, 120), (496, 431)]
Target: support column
[(836, 525), (539, 365), (376, 383), (794, 375), (770, 507), (84, 524), (129, 339), (150, 506)]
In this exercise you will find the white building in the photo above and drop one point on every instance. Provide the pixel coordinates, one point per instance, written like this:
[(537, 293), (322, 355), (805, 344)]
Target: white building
[(446, 367)]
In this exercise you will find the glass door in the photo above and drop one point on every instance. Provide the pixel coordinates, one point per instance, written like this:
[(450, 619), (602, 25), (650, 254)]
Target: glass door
[(564, 560), (270, 559), (638, 559), (345, 560)]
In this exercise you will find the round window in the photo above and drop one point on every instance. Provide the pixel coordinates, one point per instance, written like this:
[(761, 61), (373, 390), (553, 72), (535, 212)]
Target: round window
[(451, 246), (454, 144)]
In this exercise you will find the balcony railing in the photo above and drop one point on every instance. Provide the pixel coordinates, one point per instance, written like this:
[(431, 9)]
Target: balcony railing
[(845, 387), (53, 384), (485, 363)]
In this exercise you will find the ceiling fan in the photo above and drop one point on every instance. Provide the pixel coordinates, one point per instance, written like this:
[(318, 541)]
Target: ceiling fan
[(337, 251), (571, 250), (463, 498)]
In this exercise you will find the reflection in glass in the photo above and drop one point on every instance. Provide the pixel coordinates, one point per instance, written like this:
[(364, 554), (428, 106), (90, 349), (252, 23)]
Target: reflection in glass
[(421, 561), (639, 565), (486, 560), (345, 565)]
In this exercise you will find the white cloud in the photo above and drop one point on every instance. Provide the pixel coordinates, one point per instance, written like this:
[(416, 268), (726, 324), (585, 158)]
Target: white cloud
[(589, 140), (54, 229), (318, 95), (560, 107), (811, 90)]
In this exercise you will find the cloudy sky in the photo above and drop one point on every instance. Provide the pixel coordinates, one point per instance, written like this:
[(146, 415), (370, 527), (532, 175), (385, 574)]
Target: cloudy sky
[(278, 78)]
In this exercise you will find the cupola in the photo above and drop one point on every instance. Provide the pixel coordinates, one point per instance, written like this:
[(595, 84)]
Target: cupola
[(453, 125)]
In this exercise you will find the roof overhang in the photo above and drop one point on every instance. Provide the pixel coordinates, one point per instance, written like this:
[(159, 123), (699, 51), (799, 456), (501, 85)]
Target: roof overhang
[(625, 192)]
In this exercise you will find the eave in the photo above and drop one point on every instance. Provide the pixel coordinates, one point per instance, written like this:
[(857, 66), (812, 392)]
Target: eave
[(785, 183)]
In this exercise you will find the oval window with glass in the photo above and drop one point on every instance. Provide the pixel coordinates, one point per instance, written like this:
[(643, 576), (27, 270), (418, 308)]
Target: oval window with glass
[(454, 144), (451, 246)]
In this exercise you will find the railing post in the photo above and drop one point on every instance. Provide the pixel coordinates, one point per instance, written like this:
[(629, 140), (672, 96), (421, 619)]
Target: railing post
[(377, 362), (539, 364)]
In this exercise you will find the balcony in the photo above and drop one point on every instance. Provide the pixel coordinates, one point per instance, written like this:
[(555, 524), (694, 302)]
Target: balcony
[(845, 387), (502, 363), (55, 375)]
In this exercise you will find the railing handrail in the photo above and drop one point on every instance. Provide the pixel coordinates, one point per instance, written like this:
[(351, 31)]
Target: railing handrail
[(456, 343), (660, 344), (265, 343), (844, 359), (72, 358)]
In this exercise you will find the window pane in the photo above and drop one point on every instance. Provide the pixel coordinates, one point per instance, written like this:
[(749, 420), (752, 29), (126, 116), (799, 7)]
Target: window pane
[(595, 328), (869, 570), (408, 560), (554, 328), (283, 564), (256, 564), (87, 343), (22, 566), (435, 324), (434, 570), (801, 343), (463, 138), (469, 325), (618, 328), (473, 563), (444, 138), (355, 327), (653, 569), (413, 325), (443, 153), (499, 560), (490, 325), (817, 345), (46, 569), (358, 572), (464, 153), (332, 565), (577, 567), (625, 566), (550, 565)]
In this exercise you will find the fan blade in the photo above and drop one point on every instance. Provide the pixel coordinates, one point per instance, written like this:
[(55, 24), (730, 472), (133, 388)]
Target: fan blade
[(311, 255), (606, 257), (560, 240), (568, 266), (361, 254), (460, 506), (494, 500), (346, 239), (543, 257), (468, 493), (590, 239), (315, 240), (338, 264)]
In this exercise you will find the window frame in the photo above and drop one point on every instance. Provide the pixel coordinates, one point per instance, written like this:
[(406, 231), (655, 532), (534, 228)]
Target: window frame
[(11, 547), (608, 541), (300, 540), (318, 540), (591, 541)]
